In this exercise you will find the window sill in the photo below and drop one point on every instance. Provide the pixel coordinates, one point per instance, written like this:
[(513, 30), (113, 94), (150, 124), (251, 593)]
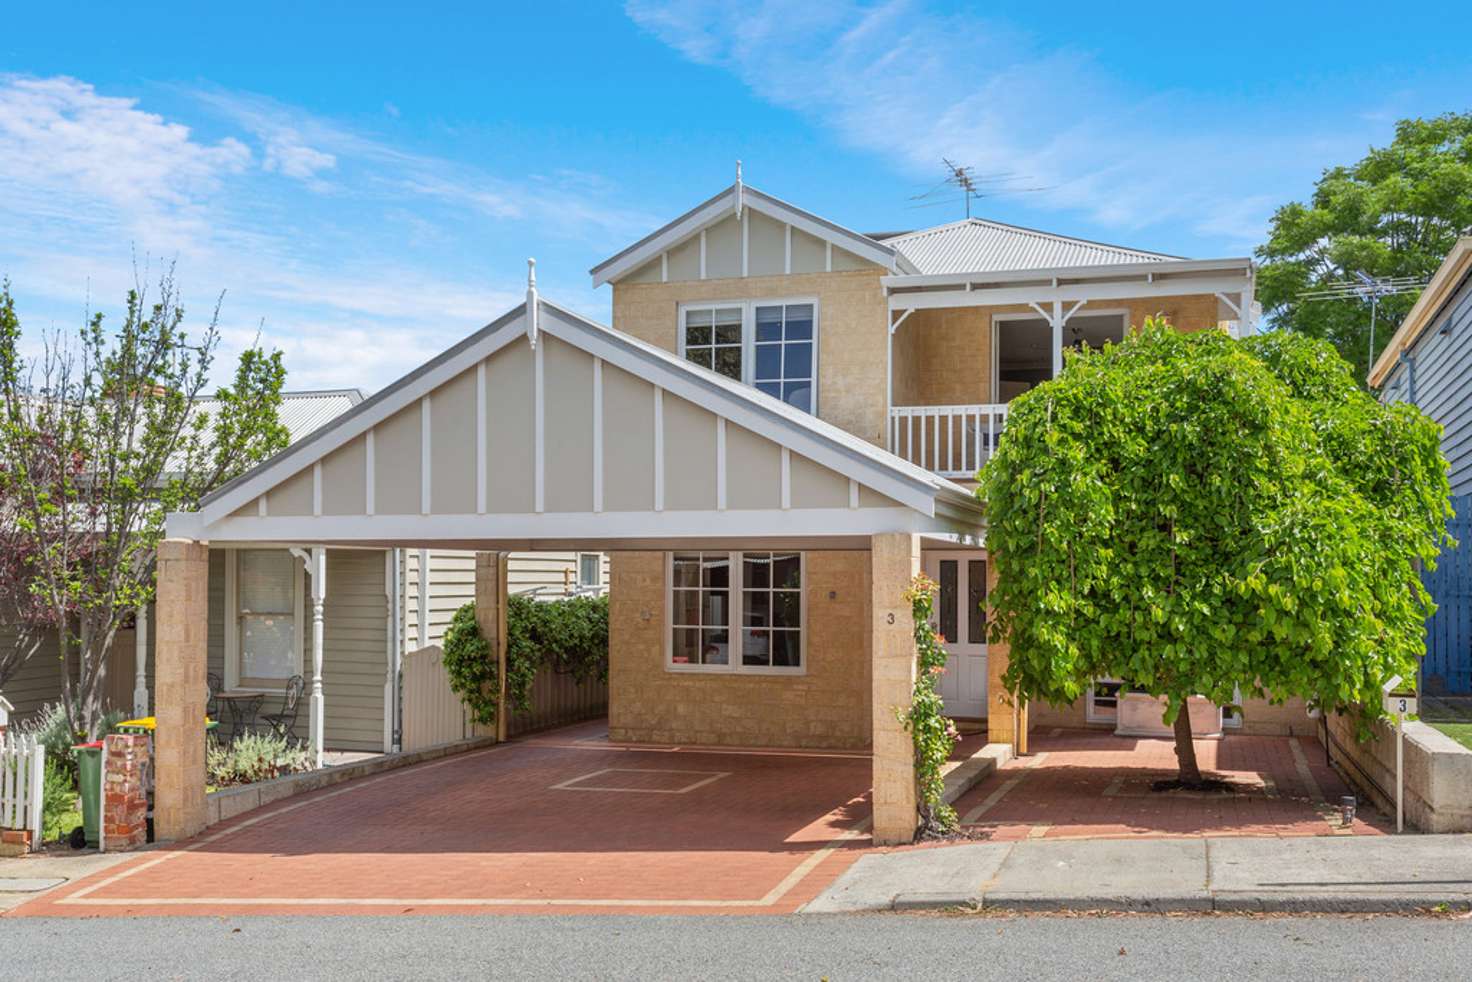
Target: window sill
[(729, 670)]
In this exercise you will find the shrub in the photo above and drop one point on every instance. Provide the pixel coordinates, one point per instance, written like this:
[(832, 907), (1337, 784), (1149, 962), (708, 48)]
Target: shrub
[(51, 728), (59, 814), (570, 636), (253, 757)]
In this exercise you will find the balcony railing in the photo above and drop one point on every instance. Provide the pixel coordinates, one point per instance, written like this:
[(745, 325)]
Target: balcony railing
[(953, 441)]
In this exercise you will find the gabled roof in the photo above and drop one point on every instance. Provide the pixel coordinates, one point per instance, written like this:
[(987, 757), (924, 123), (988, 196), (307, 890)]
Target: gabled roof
[(1443, 285), (724, 203), (976, 245), (933, 503)]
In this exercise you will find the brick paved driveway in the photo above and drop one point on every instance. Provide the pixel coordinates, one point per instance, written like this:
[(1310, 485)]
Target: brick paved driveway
[(563, 821), (1090, 783)]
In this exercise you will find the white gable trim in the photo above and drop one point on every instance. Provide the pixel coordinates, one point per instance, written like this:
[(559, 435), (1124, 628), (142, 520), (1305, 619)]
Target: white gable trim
[(931, 499), (706, 214), (406, 392)]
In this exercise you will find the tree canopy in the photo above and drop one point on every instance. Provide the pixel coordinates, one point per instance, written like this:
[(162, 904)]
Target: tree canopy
[(1193, 514), (101, 435), (1396, 212)]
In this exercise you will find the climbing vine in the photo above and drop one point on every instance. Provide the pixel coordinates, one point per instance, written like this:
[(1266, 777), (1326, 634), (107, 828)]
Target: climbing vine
[(471, 666), (934, 735), (570, 636)]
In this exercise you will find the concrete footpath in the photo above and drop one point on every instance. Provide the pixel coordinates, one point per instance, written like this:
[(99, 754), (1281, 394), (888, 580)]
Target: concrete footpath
[(1335, 874)]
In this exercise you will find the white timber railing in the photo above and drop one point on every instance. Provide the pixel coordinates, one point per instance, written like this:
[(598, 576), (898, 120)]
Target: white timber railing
[(952, 441), (22, 784)]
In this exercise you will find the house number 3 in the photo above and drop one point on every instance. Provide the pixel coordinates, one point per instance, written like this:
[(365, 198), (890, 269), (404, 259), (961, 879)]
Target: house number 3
[(890, 617)]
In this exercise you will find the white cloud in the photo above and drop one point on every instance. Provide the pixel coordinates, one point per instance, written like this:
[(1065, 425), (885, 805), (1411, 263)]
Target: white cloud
[(344, 250), (898, 80), (58, 135), (287, 154)]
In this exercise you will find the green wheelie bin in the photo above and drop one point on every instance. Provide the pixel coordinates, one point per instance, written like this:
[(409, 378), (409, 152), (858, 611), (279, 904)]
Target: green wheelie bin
[(89, 777)]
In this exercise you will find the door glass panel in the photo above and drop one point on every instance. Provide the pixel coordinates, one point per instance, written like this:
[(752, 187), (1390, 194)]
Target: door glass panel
[(976, 601), (948, 570)]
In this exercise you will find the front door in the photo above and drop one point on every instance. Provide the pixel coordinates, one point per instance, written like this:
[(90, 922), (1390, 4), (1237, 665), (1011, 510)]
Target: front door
[(960, 617)]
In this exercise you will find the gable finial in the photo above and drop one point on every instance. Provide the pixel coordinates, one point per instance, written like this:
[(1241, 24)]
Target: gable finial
[(531, 301), (739, 190)]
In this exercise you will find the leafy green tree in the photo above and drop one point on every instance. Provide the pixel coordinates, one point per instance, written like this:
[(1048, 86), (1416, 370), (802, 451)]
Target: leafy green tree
[(101, 436), (1397, 212), (1193, 513)]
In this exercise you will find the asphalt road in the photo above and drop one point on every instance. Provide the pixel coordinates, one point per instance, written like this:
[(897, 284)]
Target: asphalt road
[(1219, 947)]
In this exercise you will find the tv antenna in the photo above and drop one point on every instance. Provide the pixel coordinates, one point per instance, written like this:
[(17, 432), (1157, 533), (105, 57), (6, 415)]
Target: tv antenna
[(1366, 288), (971, 185)]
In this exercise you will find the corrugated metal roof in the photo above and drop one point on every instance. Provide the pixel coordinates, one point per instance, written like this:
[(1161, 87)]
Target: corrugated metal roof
[(976, 245), (303, 412)]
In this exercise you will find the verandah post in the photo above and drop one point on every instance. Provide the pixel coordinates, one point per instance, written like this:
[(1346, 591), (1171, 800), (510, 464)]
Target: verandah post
[(894, 559), (180, 689)]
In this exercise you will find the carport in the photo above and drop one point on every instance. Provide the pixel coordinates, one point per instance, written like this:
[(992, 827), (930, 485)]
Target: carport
[(546, 431)]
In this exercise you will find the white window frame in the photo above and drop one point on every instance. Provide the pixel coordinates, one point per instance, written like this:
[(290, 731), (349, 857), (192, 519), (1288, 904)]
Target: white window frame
[(748, 331), (733, 664), (1091, 713), (597, 582), (232, 621)]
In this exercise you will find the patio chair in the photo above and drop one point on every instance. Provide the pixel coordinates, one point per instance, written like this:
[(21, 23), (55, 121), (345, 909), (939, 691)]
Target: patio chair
[(212, 704), (283, 722)]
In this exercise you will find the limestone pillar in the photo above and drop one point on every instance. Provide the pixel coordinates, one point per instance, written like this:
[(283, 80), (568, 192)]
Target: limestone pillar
[(490, 616), (180, 689), (1006, 719), (894, 560)]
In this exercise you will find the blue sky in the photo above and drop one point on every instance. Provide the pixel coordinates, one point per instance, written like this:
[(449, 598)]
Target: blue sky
[(365, 180)]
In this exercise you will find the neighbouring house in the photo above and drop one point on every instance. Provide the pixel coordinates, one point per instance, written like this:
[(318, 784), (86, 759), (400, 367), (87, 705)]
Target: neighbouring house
[(1428, 363), (779, 430), (386, 603)]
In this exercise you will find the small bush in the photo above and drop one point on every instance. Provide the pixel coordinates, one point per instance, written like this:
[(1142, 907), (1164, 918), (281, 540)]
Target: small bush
[(59, 812), (570, 636), (253, 757), (50, 728)]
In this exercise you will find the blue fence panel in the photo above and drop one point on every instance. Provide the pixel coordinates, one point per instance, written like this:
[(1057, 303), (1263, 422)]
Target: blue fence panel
[(1447, 669)]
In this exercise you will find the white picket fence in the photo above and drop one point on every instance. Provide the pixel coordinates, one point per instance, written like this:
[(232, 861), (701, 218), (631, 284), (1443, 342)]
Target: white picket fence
[(22, 783)]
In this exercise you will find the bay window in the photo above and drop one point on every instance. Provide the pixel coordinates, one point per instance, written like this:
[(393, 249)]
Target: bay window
[(769, 344), (736, 612)]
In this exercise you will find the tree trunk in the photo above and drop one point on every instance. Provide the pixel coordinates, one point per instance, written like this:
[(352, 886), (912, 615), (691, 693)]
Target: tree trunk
[(1186, 748)]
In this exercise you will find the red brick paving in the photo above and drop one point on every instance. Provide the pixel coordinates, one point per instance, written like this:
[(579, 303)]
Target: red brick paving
[(486, 830), (1089, 783)]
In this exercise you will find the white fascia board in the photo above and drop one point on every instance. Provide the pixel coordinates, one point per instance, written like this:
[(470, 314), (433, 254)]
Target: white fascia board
[(1090, 291), (682, 379), (386, 531), (707, 214), (1164, 267), (665, 239), (357, 421)]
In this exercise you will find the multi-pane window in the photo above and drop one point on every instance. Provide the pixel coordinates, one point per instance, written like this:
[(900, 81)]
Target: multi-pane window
[(771, 609), (713, 338), (266, 603), (700, 612), (771, 345), (784, 353), (752, 621)]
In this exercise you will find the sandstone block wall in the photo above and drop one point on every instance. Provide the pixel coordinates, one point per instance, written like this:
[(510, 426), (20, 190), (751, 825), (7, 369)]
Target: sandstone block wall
[(828, 707)]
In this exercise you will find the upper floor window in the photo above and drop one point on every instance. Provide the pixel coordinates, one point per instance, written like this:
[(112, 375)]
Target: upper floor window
[(771, 344)]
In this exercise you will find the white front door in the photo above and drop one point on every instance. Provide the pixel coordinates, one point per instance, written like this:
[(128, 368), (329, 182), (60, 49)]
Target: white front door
[(960, 617)]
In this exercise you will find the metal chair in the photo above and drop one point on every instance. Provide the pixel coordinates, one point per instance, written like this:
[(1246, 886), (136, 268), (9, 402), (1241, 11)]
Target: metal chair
[(284, 722), (212, 704)]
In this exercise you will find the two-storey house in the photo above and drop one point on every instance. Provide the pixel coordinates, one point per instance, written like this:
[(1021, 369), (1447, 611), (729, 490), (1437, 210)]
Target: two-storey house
[(914, 342)]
